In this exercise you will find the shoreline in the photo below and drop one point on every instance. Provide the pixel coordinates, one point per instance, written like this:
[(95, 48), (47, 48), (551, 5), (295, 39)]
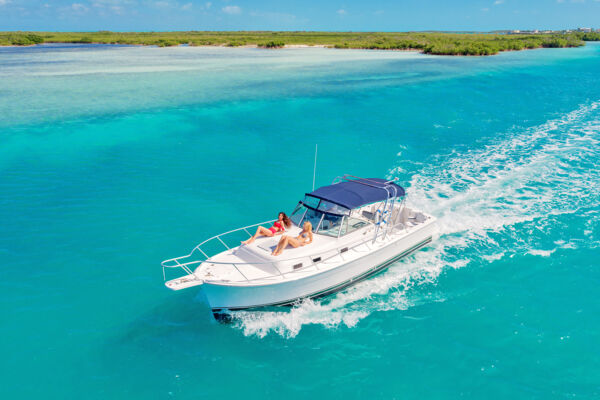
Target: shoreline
[(443, 44), (287, 46)]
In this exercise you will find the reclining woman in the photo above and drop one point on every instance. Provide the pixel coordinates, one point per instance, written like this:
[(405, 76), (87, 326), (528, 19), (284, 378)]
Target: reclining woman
[(283, 221), (305, 237)]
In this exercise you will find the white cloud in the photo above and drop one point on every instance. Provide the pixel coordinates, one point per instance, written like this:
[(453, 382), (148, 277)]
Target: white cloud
[(187, 6), (341, 11), (79, 8), (207, 5), (162, 4), (109, 3), (105, 7), (4, 2), (485, 9), (233, 10), (498, 2)]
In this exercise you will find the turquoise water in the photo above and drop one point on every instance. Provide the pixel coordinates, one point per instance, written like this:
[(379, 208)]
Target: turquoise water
[(115, 158)]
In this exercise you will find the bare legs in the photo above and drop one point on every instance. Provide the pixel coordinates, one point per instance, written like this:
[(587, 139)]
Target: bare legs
[(283, 242), (260, 231)]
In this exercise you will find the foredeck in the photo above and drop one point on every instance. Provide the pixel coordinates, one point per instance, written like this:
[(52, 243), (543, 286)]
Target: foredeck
[(255, 261)]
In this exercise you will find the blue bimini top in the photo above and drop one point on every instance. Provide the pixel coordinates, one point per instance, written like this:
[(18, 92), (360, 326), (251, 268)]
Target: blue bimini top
[(358, 192)]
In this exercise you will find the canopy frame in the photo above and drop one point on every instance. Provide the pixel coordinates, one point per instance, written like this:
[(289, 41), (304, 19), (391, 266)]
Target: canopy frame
[(354, 192)]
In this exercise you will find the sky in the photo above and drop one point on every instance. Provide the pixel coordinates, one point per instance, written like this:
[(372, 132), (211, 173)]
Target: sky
[(329, 15)]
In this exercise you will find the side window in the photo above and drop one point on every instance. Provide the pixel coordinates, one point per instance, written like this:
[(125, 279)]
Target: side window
[(352, 224)]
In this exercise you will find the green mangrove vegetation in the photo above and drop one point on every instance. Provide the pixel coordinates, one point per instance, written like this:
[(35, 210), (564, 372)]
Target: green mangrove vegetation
[(427, 42), (273, 44), (20, 39)]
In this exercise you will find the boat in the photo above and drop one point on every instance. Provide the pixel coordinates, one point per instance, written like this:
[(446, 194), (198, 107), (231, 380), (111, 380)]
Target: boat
[(360, 227)]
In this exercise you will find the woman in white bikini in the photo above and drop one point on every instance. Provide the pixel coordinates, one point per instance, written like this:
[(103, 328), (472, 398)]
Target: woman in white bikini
[(305, 237)]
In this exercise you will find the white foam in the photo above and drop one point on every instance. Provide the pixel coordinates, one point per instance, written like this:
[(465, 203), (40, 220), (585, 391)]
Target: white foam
[(542, 253), (493, 257), (537, 173)]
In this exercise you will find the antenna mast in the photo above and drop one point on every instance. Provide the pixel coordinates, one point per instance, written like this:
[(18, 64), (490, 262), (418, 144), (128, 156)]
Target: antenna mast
[(315, 168)]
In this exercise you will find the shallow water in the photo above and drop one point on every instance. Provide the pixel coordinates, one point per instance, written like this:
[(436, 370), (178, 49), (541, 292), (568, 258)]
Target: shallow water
[(115, 158)]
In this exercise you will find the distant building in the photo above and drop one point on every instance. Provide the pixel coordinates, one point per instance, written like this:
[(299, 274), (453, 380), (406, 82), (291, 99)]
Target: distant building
[(518, 32), (586, 30)]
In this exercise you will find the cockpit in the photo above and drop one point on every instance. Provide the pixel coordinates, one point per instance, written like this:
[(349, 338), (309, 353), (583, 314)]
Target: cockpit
[(327, 218)]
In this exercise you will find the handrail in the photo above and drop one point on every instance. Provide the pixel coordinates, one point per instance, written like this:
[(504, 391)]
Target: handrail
[(365, 181), (198, 247), (310, 257), (336, 252), (265, 262)]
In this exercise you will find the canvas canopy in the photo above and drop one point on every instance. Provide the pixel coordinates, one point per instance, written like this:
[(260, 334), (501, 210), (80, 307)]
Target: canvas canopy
[(358, 192)]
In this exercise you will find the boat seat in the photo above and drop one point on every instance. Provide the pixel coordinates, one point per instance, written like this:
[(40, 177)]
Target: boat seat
[(368, 215), (269, 245), (394, 218), (404, 216)]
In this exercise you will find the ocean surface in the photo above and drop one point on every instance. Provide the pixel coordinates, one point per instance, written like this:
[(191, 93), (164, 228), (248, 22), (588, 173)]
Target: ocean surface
[(113, 158)]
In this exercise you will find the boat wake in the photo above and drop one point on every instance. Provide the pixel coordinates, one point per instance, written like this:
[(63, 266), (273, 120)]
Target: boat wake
[(485, 200)]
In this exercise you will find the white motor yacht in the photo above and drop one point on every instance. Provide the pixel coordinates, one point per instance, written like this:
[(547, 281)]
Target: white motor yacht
[(360, 227)]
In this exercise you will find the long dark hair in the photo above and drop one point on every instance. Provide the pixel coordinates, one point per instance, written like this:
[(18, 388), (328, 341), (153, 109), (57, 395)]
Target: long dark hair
[(286, 220)]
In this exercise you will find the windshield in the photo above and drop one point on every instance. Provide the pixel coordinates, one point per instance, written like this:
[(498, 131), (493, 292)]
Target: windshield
[(324, 205), (330, 225), (326, 224), (302, 214), (314, 217), (298, 214), (333, 208), (310, 201)]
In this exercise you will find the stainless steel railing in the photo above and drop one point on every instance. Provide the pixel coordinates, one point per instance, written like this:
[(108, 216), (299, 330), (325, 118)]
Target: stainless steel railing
[(313, 259)]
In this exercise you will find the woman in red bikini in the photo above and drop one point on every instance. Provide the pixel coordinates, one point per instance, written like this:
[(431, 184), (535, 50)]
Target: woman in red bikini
[(283, 221)]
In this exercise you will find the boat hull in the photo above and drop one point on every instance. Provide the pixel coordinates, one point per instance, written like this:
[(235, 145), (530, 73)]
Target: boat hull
[(223, 297)]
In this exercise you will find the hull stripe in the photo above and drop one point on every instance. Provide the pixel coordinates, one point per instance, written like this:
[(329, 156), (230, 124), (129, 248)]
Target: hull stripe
[(340, 286)]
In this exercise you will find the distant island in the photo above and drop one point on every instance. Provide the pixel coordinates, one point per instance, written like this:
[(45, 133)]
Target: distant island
[(439, 43)]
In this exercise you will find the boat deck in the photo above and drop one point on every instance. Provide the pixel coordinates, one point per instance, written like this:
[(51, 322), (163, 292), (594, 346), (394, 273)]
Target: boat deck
[(254, 263)]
